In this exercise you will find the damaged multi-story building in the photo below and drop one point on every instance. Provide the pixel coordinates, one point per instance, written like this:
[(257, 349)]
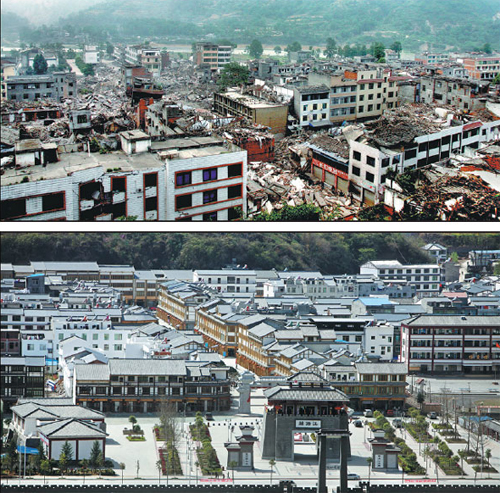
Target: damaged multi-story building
[(56, 85), (212, 55), (154, 60), (409, 138), (202, 179), (468, 95), (258, 111)]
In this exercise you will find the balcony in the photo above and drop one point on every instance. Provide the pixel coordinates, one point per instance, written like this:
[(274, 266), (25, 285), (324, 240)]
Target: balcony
[(151, 192), (86, 205), (118, 197)]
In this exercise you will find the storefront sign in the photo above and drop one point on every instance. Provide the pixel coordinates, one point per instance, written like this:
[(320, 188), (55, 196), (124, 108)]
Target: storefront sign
[(330, 169)]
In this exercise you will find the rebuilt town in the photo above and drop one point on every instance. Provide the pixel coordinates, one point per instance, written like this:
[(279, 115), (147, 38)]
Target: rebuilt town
[(150, 135), (336, 369)]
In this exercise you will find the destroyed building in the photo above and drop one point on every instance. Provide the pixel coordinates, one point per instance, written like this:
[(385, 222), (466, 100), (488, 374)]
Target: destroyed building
[(57, 85), (258, 111), (152, 59), (462, 94), (409, 138), (442, 192), (160, 117), (259, 145)]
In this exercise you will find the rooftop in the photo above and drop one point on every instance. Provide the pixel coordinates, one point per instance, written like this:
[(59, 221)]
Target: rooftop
[(250, 101), (70, 163)]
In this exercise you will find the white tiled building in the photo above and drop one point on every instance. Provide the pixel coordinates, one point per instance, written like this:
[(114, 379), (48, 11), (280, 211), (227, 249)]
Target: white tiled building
[(206, 183), (426, 277)]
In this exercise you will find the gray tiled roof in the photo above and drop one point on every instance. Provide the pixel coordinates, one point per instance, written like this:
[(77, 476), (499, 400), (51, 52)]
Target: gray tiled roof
[(381, 368), (454, 321), (64, 411), (312, 394), (71, 428)]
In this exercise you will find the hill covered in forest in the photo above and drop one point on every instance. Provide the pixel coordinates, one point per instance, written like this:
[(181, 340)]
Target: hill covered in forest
[(450, 23), (331, 253)]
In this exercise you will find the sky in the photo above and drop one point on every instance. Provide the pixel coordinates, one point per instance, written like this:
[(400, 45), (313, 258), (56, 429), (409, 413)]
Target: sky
[(45, 11)]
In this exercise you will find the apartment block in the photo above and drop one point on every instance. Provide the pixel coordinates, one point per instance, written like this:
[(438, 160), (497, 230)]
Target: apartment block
[(214, 55), (91, 55), (426, 277), (177, 303), (258, 111), (21, 377), (451, 344), (311, 104), (205, 180)]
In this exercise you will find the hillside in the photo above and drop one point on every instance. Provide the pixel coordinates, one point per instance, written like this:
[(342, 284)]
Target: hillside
[(331, 253), (413, 22)]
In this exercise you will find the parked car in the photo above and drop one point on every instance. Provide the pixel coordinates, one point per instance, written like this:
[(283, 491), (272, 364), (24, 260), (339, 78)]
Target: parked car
[(389, 413), (433, 415), (398, 423), (368, 413), (353, 475), (358, 423), (209, 417)]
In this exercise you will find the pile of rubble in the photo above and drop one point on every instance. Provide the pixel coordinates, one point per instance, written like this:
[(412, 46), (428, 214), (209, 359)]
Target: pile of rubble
[(455, 198), (402, 125)]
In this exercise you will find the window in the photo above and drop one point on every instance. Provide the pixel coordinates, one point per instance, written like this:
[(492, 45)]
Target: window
[(118, 337), (151, 180), (234, 170), (356, 171), (370, 161), (356, 155), (13, 208), (410, 154), (234, 192), (183, 201), (210, 196), (385, 162), (53, 202), (183, 178), (95, 337), (210, 216), (370, 177), (233, 213), (210, 174), (361, 109)]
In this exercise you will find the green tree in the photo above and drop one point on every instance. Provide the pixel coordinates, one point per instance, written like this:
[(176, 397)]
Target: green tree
[(39, 457), (420, 398), (68, 450), (158, 466), (63, 462), (12, 454), (277, 49), (377, 50), (295, 46), (100, 462), (132, 420), (331, 48), (255, 49), (397, 47), (233, 74), (232, 465), (45, 468), (369, 460), (304, 212), (40, 64), (94, 455), (272, 463), (486, 48), (122, 467), (84, 464)]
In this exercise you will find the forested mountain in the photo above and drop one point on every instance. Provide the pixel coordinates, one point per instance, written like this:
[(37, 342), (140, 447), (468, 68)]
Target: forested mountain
[(442, 23), (331, 253)]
